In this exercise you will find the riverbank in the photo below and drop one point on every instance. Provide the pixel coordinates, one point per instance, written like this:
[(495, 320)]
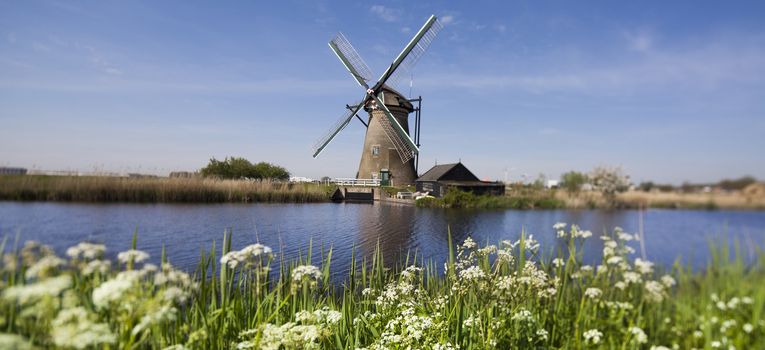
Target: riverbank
[(498, 296), (156, 190), (197, 190), (665, 200)]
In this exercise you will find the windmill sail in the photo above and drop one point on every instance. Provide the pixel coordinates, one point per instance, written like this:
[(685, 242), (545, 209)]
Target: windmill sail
[(400, 77), (426, 34), (351, 60), (405, 147), (335, 129)]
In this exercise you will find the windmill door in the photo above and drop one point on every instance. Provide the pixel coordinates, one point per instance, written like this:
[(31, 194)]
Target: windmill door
[(384, 177)]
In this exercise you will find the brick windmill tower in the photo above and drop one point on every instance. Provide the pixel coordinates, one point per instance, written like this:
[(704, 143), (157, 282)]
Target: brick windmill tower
[(390, 150)]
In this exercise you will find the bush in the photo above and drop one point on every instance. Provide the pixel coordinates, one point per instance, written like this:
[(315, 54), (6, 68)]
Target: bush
[(240, 168)]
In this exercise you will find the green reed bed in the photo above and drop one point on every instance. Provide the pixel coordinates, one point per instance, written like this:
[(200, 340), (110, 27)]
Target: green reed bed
[(484, 297), (151, 190)]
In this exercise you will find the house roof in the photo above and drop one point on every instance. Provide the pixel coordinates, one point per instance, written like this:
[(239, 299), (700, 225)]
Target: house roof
[(437, 172)]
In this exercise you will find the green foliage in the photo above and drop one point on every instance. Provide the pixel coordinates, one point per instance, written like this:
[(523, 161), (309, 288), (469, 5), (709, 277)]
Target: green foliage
[(455, 198), (736, 184), (240, 168), (572, 181), (609, 181), (506, 296)]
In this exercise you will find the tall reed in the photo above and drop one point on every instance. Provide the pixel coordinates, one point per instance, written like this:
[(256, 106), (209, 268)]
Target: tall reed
[(148, 190)]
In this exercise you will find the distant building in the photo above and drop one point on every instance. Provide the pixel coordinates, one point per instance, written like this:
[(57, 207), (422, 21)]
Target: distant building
[(440, 178), (183, 174), (12, 171), (552, 184), (300, 179)]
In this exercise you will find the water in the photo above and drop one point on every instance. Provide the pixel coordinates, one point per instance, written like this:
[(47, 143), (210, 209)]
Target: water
[(186, 229)]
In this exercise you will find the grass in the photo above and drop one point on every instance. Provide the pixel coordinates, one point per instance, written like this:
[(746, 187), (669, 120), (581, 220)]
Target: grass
[(492, 297), (150, 190), (459, 199)]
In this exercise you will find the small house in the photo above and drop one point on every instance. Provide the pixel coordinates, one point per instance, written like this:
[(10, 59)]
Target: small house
[(440, 178)]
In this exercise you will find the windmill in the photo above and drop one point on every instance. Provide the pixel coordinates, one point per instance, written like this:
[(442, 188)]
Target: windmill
[(389, 150)]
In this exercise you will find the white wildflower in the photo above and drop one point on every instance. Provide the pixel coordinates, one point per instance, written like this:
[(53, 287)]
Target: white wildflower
[(164, 315), (748, 328), (86, 250), (306, 271), (659, 347), (44, 267), (593, 293), (643, 266), (30, 293), (472, 273), (469, 244), (593, 336), (175, 294), (614, 260), (15, 342), (93, 266), (133, 255), (639, 335), (559, 226), (668, 281), (654, 291), (74, 328), (522, 315), (620, 285), (558, 262), (113, 290), (632, 277), (249, 255)]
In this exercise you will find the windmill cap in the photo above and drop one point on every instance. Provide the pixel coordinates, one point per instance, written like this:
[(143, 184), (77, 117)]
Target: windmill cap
[(393, 98)]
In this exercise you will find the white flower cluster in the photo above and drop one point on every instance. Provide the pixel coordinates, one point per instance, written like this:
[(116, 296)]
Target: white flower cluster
[(248, 256), (163, 315), (132, 255), (113, 290), (44, 267), (639, 335), (87, 251), (305, 333), (96, 266), (593, 293), (31, 293), (307, 272), (75, 328), (592, 336)]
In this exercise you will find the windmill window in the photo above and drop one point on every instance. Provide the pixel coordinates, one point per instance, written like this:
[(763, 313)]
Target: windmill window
[(375, 150)]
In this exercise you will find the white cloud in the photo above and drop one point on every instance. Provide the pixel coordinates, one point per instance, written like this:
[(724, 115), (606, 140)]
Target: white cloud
[(641, 42), (385, 13), (447, 19), (406, 30), (500, 28), (709, 68)]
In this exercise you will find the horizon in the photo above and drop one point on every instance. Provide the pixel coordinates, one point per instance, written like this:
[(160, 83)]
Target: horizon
[(668, 94)]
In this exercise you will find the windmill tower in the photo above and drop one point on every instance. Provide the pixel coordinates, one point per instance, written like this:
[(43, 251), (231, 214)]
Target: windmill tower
[(389, 150)]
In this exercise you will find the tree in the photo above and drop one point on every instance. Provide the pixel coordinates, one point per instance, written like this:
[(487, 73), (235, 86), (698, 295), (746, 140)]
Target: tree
[(572, 181), (240, 168), (609, 181)]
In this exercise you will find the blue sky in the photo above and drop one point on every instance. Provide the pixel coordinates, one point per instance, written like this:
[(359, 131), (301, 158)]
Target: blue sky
[(671, 91)]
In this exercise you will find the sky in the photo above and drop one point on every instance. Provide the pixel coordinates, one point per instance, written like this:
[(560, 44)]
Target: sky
[(669, 91)]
